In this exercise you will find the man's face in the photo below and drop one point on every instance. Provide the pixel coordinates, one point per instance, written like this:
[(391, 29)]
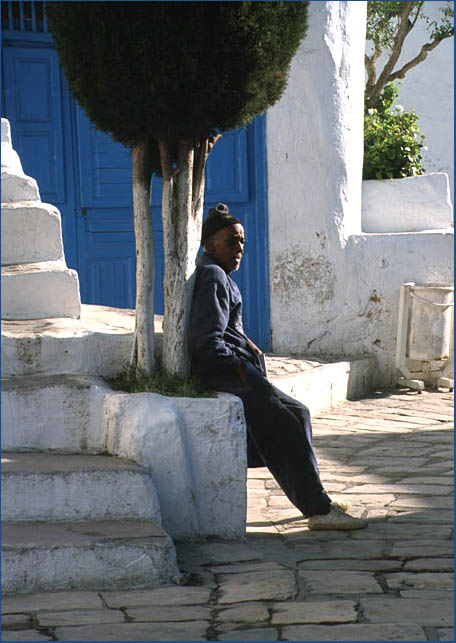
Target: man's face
[(227, 246)]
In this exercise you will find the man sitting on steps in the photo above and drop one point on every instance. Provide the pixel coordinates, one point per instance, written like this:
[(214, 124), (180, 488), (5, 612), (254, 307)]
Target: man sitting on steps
[(279, 432)]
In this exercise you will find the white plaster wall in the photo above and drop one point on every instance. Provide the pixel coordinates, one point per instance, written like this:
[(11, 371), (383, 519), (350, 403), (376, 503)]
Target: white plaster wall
[(334, 290), (428, 89), (314, 155)]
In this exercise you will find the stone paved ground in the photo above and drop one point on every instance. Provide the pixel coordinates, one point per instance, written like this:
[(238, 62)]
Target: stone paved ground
[(392, 455)]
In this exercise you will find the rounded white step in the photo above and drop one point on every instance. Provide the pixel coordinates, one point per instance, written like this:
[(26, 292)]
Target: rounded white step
[(10, 159), (17, 186), (31, 232), (39, 290)]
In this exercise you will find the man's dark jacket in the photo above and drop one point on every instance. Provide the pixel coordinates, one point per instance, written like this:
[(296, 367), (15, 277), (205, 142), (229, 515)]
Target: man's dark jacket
[(218, 345)]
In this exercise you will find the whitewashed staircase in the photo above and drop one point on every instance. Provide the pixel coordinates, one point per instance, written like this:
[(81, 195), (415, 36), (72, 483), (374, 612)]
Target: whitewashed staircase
[(72, 516)]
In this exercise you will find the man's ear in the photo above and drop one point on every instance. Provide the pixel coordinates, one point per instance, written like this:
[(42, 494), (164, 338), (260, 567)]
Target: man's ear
[(209, 245)]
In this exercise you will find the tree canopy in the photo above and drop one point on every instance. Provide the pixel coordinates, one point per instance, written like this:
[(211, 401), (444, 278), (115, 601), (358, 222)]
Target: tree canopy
[(175, 69)]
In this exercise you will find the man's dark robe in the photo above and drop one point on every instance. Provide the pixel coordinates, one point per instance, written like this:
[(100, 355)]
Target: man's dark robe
[(279, 432)]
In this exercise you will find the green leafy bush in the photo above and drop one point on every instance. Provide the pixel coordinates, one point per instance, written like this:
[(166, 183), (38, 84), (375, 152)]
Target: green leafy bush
[(392, 142)]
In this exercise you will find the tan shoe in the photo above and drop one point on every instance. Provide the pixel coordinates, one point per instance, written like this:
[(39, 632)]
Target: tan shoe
[(342, 504), (335, 519)]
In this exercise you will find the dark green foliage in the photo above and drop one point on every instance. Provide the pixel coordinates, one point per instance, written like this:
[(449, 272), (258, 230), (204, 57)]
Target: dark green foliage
[(392, 142), (175, 69)]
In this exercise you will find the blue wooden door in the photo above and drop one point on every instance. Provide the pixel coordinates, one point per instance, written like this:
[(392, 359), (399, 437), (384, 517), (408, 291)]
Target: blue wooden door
[(88, 177), (38, 108)]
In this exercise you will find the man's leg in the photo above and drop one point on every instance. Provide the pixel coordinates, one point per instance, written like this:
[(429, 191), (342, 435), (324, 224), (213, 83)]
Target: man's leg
[(281, 432)]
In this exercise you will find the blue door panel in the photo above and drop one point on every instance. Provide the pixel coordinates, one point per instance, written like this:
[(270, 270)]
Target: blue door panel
[(38, 108), (227, 169), (106, 277), (105, 168), (33, 98)]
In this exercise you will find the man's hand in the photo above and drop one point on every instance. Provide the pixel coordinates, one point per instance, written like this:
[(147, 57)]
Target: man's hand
[(240, 372), (254, 346)]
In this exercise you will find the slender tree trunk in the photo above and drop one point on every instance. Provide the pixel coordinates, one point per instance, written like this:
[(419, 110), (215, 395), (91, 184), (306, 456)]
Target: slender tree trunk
[(374, 92), (182, 212), (145, 263)]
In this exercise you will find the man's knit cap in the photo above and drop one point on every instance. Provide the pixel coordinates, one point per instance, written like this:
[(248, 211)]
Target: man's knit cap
[(217, 218)]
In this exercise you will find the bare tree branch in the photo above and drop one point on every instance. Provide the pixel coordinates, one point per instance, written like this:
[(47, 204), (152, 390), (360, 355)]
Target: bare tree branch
[(416, 15), (371, 71), (399, 38), (425, 49)]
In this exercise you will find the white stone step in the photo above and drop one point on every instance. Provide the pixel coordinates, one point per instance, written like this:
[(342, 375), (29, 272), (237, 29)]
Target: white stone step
[(99, 343), (40, 290), (321, 383), (17, 186), (63, 413), (31, 232), (40, 557), (54, 487)]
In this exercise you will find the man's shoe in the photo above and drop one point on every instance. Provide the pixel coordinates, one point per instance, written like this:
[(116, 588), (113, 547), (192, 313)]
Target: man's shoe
[(342, 504), (335, 519)]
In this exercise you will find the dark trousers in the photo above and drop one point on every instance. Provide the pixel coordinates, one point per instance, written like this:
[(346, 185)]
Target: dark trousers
[(279, 436)]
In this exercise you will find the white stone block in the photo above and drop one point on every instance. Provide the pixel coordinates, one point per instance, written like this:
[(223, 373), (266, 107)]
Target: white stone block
[(43, 557), (411, 204), (60, 413), (39, 290), (195, 450), (18, 187), (50, 487), (31, 232)]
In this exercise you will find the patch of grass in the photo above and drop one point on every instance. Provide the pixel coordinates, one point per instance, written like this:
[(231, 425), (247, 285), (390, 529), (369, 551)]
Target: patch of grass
[(159, 381)]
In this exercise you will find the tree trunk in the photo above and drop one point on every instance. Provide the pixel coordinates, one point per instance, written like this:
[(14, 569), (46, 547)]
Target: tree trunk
[(182, 212), (145, 262), (374, 92)]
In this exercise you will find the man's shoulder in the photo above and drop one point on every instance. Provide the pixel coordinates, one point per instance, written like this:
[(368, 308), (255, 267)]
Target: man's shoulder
[(207, 269)]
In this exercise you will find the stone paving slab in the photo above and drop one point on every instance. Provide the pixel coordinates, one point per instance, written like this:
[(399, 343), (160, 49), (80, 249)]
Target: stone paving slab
[(20, 621), (190, 631), (79, 617), (246, 613), (259, 634), (358, 632), (437, 613), (390, 582), (156, 614), (24, 635), (403, 580), (350, 565), (50, 601), (263, 586), (341, 582), (335, 611), (171, 594)]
